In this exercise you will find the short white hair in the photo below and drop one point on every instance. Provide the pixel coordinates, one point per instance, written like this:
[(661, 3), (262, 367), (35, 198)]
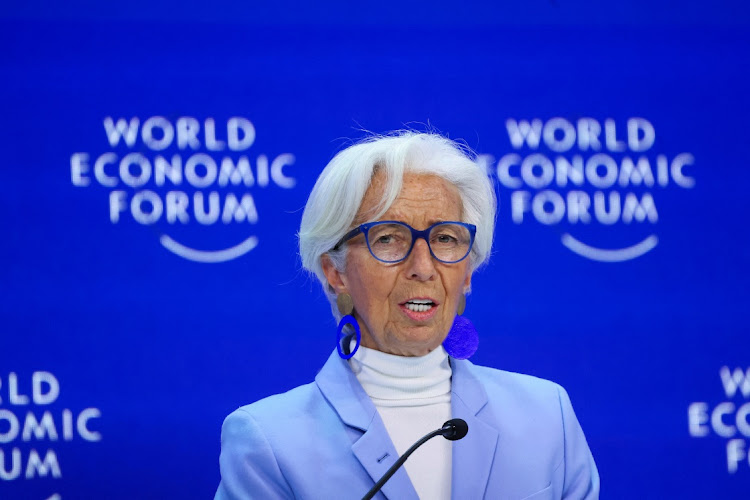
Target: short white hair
[(337, 195)]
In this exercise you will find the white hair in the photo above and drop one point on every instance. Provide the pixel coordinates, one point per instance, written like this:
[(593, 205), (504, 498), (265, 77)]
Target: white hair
[(337, 195)]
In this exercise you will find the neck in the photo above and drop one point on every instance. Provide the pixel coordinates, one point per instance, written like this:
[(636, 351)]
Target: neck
[(401, 380)]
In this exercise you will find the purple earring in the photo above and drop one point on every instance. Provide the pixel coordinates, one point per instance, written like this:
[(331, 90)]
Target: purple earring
[(345, 305), (462, 340)]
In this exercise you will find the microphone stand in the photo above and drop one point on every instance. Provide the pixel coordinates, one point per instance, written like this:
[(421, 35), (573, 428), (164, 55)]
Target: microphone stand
[(450, 430)]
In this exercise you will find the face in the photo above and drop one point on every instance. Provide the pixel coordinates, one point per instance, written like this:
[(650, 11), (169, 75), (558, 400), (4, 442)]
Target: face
[(383, 293)]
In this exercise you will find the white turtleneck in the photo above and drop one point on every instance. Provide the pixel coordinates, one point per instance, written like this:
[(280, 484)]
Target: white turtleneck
[(413, 397)]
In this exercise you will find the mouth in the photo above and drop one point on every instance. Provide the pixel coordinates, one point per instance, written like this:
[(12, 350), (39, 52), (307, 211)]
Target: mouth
[(419, 309), (419, 305)]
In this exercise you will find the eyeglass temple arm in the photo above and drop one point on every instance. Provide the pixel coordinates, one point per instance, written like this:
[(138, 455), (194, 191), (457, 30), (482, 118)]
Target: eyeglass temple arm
[(351, 234)]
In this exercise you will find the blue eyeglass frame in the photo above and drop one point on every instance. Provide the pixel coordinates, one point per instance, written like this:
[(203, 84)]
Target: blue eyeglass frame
[(415, 234)]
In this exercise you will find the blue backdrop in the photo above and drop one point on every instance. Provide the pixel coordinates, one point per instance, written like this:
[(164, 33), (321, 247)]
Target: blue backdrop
[(156, 160)]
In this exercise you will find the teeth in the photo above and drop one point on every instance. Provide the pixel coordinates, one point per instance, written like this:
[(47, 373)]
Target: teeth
[(419, 307), (420, 301)]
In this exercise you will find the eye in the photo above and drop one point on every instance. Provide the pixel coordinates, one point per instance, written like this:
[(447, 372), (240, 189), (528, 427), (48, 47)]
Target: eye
[(388, 235), (384, 239), (444, 239)]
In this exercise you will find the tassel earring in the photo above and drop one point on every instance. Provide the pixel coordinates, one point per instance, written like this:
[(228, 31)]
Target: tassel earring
[(462, 340), (345, 305)]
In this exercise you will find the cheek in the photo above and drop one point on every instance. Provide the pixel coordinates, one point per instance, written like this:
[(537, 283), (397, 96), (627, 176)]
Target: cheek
[(455, 283), (371, 288)]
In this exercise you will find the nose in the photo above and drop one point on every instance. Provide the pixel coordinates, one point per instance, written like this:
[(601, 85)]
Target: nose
[(420, 265)]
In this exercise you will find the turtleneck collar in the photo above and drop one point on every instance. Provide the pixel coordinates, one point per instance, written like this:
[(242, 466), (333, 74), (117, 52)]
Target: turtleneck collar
[(392, 380)]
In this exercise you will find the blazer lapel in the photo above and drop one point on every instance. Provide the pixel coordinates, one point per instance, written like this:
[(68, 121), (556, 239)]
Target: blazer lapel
[(472, 455), (374, 448)]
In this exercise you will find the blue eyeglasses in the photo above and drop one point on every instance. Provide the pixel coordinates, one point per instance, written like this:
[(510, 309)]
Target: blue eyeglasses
[(391, 241)]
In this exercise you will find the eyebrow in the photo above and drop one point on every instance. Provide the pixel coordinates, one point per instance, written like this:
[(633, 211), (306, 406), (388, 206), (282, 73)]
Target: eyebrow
[(430, 222)]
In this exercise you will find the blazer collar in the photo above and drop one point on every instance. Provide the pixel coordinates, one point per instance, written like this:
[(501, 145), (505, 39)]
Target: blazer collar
[(472, 455), (373, 448)]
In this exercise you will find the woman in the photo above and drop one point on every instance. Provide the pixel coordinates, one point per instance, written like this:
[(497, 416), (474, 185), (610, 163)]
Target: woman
[(393, 229)]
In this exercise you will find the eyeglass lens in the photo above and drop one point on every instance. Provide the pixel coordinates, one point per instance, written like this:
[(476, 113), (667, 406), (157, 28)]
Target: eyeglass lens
[(391, 242)]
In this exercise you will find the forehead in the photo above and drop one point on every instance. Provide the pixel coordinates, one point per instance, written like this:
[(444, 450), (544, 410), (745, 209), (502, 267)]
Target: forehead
[(423, 200)]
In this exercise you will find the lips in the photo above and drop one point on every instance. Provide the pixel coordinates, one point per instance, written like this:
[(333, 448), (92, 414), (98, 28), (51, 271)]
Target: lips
[(419, 309)]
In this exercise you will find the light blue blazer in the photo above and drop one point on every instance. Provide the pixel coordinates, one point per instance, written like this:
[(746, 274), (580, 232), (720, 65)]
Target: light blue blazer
[(325, 440)]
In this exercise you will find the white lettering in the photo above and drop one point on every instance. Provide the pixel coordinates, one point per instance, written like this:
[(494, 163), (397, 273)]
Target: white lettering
[(546, 171), (503, 171), (82, 424), (639, 210), (209, 167), (67, 425), (15, 471), (569, 170), (122, 129), (13, 426), (550, 134), (578, 207), (641, 134), (662, 170), (735, 453), (519, 204), (678, 163), (592, 170), (743, 424), (546, 199), (485, 162), (717, 423), (629, 174), (37, 395), (588, 134), (164, 170), (600, 207), (239, 211), (236, 174), (262, 170), (117, 205), (166, 133), (42, 468), (79, 165), (176, 204), (15, 397), (100, 175), (277, 173), (697, 418), (40, 429), (143, 168), (610, 136), (146, 216), (187, 132), (210, 130), (524, 132), (237, 141), (735, 380), (201, 215)]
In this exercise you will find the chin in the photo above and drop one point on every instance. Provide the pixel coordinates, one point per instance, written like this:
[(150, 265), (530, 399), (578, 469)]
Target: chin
[(419, 345)]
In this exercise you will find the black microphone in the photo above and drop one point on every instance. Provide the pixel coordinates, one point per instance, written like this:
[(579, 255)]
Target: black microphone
[(453, 430)]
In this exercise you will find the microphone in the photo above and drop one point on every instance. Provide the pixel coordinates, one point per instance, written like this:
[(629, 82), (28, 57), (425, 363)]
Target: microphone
[(453, 430)]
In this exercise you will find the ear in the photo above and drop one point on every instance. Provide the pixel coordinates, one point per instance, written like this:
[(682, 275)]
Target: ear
[(467, 282), (336, 279)]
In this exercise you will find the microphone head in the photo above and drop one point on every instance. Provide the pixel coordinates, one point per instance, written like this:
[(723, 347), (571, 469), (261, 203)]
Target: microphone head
[(455, 429)]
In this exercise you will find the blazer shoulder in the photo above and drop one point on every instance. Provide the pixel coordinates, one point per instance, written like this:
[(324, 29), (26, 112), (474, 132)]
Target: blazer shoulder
[(518, 387), (279, 409), (252, 447), (258, 443)]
